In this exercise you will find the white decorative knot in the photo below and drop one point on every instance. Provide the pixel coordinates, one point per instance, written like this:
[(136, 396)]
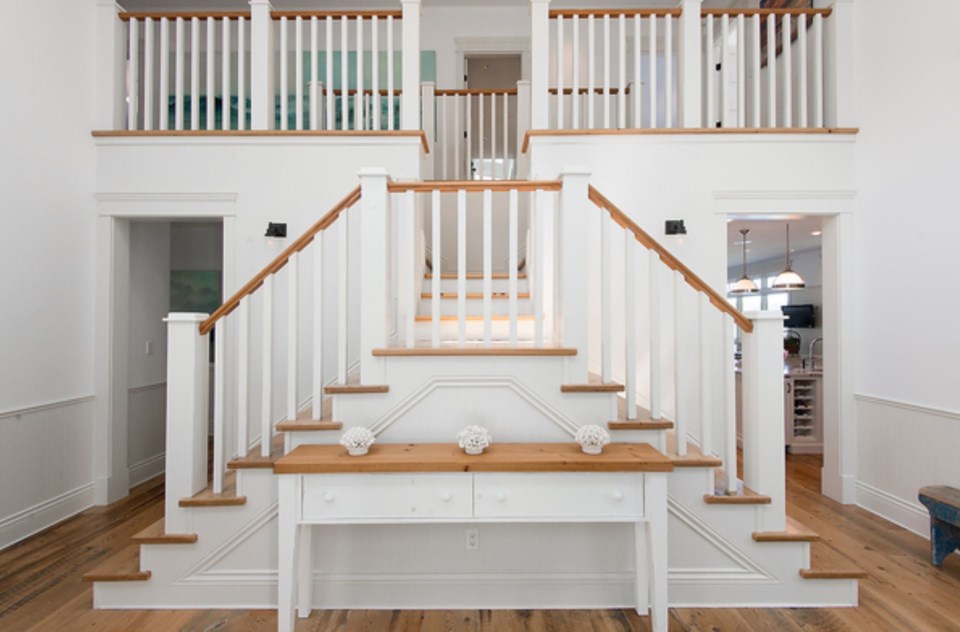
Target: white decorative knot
[(474, 439), (592, 438), (357, 440)]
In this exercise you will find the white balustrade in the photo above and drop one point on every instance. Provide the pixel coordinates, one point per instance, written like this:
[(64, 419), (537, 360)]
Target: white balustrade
[(475, 133)]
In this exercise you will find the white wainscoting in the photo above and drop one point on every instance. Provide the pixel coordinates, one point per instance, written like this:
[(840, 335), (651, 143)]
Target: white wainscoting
[(46, 461), (902, 447), (146, 434)]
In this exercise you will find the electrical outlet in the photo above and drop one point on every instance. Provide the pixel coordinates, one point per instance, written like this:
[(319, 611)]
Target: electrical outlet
[(473, 539)]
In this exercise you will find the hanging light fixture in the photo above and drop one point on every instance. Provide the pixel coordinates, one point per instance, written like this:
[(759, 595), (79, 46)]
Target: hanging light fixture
[(788, 279), (744, 284)]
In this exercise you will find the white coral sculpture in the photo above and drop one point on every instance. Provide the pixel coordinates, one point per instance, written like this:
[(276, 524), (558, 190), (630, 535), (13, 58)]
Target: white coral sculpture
[(592, 439), (357, 440), (474, 439)]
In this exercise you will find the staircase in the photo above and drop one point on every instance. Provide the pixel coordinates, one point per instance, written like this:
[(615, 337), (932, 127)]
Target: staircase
[(515, 350)]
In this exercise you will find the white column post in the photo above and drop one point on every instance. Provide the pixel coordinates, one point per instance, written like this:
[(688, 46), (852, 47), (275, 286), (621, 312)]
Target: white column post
[(764, 469), (262, 90), (111, 66), (523, 126), (374, 321), (575, 214), (188, 377), (428, 124), (839, 71), (540, 63), (410, 64), (691, 65)]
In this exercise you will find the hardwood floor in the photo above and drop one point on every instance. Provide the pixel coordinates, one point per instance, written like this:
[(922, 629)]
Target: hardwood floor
[(40, 586)]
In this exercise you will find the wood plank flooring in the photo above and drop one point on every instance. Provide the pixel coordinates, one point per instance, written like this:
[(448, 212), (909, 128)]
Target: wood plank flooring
[(41, 589)]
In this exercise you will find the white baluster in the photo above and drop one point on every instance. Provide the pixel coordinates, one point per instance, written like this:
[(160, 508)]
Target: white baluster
[(243, 376), (787, 72), (211, 73), (741, 73), (680, 417), (771, 70), (409, 222), (637, 72), (560, 55), (653, 71), (314, 75), (630, 322), (656, 357), (194, 73), (390, 115), (606, 71), (133, 94), (725, 69), (343, 295), (513, 264), (375, 70), (710, 118), (538, 298), (284, 79), (606, 296), (591, 67), (329, 86), (266, 366), (802, 78), (298, 72), (178, 76), (437, 269), (818, 70), (493, 136), (468, 128), (457, 138), (668, 70), (293, 337), (504, 170), (316, 390), (344, 74), (148, 55), (481, 123), (622, 71), (163, 112), (575, 79), (729, 388), (706, 362), (359, 115), (757, 71), (241, 74), (219, 392), (462, 267), (225, 89), (487, 267)]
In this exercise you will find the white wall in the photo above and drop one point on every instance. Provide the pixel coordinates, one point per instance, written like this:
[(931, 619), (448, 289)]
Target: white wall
[(907, 373), (47, 254)]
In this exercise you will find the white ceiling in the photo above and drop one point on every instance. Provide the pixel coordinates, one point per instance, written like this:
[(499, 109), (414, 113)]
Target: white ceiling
[(768, 238)]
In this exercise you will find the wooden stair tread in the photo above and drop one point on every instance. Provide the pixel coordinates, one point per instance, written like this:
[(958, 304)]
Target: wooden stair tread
[(206, 497), (592, 387), (123, 566), (817, 573), (475, 351), (309, 424), (446, 296), (355, 389), (794, 532), (693, 458), (475, 275), (829, 563), (154, 534), (255, 460), (451, 317), (743, 496), (640, 424)]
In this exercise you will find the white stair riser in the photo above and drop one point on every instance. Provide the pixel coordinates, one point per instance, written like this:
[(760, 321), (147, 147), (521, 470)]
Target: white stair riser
[(499, 307), (500, 330), (475, 285)]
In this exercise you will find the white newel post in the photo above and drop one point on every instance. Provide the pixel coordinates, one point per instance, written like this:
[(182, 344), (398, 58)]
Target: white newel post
[(691, 64), (540, 63), (374, 321), (188, 380), (111, 67), (575, 214), (839, 73), (523, 125), (763, 433), (410, 64), (262, 90), (428, 123)]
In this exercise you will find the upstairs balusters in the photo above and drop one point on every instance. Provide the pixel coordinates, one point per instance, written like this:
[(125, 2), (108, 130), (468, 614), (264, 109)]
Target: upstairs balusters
[(478, 134)]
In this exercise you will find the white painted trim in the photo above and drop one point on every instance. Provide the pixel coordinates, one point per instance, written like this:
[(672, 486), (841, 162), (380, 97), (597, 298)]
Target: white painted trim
[(467, 46), (147, 387), (31, 520), (52, 405), (953, 415), (146, 469), (911, 516)]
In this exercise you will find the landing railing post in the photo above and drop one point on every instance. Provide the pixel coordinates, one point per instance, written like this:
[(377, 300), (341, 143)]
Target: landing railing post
[(839, 71), (374, 209), (188, 379), (262, 90), (764, 468), (573, 261), (690, 64), (410, 99), (111, 66), (540, 63)]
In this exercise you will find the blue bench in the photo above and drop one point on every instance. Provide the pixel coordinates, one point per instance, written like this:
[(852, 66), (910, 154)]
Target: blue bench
[(943, 503)]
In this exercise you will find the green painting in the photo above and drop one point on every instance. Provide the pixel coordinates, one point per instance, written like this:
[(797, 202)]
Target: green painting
[(195, 291)]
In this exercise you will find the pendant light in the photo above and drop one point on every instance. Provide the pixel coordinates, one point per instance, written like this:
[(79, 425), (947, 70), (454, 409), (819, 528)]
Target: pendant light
[(745, 284), (788, 279)]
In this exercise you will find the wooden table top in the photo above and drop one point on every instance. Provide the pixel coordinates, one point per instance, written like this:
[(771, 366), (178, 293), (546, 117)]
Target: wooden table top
[(449, 457)]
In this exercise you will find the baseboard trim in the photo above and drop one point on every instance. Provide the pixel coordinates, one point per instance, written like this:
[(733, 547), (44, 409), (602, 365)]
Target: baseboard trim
[(146, 469), (902, 513), (27, 522)]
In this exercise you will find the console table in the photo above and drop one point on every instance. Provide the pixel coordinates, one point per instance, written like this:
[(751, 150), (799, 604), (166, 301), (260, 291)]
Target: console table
[(438, 483)]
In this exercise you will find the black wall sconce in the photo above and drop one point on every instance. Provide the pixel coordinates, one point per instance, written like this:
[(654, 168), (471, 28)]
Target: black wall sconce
[(276, 230), (675, 227)]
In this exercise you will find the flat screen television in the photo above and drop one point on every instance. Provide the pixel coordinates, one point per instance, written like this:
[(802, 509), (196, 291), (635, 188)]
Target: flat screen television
[(799, 316)]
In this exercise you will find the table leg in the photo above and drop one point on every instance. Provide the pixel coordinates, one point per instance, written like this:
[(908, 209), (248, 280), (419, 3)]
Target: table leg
[(656, 503), (305, 572), (287, 536), (641, 569)]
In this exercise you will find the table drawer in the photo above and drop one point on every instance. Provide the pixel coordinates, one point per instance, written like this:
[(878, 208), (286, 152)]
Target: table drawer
[(329, 497), (592, 496)]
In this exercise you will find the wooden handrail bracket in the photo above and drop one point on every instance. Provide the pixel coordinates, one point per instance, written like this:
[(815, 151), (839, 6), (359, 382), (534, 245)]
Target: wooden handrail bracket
[(281, 260), (689, 276)]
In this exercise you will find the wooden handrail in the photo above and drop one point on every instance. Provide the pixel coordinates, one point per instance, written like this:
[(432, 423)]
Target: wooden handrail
[(764, 12), (639, 13), (281, 260), (276, 15), (589, 90), (187, 15), (468, 92), (669, 260), (452, 186), (383, 92)]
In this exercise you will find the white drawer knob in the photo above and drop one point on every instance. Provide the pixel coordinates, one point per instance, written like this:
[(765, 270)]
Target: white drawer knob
[(328, 497), (501, 497), (618, 496), (446, 497)]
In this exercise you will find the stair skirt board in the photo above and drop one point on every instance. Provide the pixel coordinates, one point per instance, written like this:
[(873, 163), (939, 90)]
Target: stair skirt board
[(713, 563)]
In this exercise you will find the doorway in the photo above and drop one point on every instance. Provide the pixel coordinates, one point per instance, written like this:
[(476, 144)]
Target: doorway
[(491, 80)]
